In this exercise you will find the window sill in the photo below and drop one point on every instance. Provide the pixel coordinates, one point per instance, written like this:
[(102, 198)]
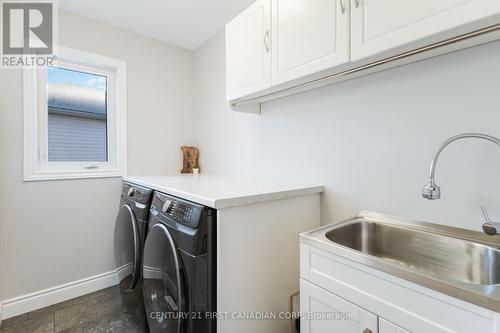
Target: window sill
[(46, 176)]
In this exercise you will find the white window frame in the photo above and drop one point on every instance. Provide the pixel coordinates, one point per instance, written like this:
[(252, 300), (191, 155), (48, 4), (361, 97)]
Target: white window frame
[(35, 119)]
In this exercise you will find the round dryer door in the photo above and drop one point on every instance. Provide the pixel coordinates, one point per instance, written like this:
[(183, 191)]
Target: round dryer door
[(163, 287), (127, 248)]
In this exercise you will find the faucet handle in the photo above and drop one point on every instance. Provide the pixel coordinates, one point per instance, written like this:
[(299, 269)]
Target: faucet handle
[(490, 227)]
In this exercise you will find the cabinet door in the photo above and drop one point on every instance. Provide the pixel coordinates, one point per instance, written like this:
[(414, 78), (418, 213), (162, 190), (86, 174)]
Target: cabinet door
[(248, 51), (323, 312), (380, 25), (308, 36), (385, 326)]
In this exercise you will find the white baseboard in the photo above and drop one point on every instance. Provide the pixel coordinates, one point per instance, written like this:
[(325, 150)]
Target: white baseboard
[(40, 299)]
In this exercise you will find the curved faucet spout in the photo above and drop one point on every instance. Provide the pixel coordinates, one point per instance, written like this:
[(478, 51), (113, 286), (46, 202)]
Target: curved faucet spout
[(431, 190)]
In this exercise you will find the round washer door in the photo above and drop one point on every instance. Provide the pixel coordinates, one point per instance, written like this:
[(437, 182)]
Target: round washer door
[(127, 248), (162, 282)]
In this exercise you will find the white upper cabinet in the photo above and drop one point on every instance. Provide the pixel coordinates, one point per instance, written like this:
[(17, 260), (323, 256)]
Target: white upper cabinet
[(276, 42), (248, 51), (308, 36), (381, 25), (344, 316)]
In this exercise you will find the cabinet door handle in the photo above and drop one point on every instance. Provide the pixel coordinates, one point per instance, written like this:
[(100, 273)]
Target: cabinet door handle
[(357, 6), (367, 330), (342, 6), (266, 41)]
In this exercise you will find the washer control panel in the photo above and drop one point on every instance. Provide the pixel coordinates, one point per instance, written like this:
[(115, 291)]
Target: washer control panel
[(181, 212), (178, 210)]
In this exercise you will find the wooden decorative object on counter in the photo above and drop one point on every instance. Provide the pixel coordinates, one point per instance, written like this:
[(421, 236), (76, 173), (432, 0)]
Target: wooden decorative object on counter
[(190, 159)]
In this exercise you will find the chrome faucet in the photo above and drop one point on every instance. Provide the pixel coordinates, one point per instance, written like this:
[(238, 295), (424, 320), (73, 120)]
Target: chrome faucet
[(432, 191)]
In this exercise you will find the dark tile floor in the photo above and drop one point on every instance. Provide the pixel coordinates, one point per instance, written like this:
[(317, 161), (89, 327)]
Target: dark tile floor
[(107, 310)]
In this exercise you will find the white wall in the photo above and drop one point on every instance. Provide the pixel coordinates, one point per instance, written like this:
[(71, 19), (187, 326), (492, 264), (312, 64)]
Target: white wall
[(61, 231), (369, 140)]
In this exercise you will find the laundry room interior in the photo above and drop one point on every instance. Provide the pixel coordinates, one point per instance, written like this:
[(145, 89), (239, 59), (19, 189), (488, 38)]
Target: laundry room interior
[(271, 166)]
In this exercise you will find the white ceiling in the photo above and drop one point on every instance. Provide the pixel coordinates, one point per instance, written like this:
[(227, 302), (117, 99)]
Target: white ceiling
[(185, 23)]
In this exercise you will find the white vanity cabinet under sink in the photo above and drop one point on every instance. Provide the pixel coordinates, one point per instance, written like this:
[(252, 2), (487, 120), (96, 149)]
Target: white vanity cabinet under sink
[(359, 294), (378, 301)]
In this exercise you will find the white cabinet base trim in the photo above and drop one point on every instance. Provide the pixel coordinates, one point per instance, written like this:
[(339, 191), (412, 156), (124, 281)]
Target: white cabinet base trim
[(40, 299)]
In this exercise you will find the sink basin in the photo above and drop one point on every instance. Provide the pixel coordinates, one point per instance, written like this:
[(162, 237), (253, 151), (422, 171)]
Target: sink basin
[(461, 263), (430, 253)]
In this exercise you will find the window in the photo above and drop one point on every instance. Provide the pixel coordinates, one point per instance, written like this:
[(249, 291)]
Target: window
[(75, 118)]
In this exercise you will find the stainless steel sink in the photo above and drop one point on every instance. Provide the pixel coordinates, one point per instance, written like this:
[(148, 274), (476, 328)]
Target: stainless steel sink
[(440, 256), (461, 263)]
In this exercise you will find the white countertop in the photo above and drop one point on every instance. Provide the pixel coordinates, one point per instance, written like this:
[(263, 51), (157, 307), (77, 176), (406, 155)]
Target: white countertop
[(223, 192)]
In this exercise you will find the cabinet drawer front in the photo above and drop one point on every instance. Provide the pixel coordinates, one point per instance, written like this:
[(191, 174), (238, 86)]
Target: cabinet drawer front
[(381, 25), (406, 304), (325, 312)]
